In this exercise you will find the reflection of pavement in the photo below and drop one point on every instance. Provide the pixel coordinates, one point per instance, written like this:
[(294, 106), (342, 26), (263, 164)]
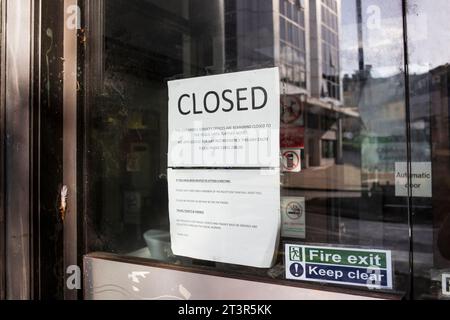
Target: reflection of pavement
[(377, 235), (371, 235), (335, 177)]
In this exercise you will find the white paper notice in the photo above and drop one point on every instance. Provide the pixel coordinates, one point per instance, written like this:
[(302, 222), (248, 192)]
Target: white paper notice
[(229, 216), (421, 179), (228, 120)]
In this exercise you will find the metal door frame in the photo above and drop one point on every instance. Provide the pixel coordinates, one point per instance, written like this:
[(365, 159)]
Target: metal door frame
[(2, 163), (38, 143)]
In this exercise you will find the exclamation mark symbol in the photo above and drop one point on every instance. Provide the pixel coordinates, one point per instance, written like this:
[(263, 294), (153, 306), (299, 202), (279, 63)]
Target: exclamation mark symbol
[(296, 270)]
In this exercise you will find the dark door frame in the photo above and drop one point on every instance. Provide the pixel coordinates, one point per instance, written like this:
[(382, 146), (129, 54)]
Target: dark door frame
[(2, 163), (50, 119), (34, 97)]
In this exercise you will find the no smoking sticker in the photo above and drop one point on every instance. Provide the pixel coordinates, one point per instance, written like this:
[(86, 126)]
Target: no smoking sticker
[(293, 217), (292, 160)]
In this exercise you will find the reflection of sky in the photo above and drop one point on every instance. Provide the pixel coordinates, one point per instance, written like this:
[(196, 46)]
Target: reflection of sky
[(429, 36), (383, 41)]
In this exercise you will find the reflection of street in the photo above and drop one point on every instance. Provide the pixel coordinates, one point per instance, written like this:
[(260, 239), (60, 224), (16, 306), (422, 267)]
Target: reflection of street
[(334, 177), (390, 236)]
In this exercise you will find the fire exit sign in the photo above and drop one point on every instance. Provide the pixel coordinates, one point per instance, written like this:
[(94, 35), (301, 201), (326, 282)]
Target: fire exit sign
[(348, 266)]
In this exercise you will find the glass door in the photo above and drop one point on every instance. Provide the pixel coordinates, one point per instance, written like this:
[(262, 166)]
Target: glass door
[(343, 117), (430, 146)]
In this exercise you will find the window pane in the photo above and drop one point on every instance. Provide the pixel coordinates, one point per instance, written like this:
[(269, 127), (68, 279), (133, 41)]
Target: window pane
[(349, 146), (282, 7), (283, 29), (430, 146)]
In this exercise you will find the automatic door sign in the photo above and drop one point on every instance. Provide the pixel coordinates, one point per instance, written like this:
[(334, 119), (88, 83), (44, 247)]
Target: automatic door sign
[(356, 267), (446, 284), (292, 160), (420, 182), (293, 217)]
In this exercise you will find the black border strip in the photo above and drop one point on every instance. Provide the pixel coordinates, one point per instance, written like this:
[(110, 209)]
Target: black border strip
[(408, 147), (2, 148)]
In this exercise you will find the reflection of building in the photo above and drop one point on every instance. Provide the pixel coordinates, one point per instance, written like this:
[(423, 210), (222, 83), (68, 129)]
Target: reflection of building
[(380, 103), (301, 38), (293, 58), (430, 125), (325, 63)]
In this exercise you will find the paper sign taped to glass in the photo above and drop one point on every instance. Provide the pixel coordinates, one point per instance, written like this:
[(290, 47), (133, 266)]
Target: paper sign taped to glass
[(228, 216), (224, 167), (229, 120)]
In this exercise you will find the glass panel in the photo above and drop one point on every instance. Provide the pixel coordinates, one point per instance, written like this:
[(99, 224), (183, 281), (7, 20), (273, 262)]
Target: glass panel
[(352, 93), (429, 58)]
